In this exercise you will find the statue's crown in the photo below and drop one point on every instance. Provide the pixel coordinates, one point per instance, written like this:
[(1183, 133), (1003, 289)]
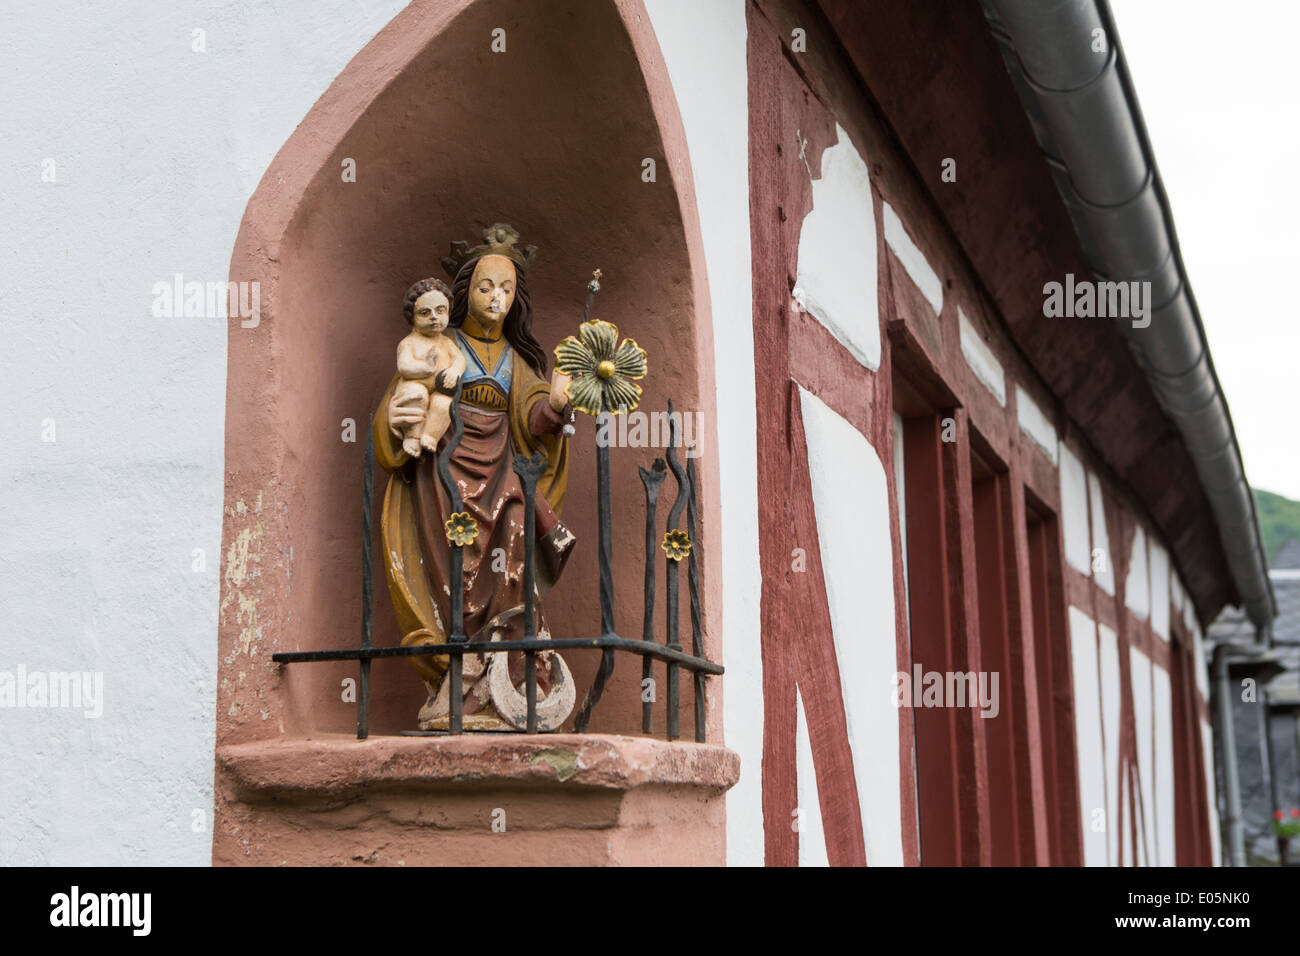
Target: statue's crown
[(499, 239)]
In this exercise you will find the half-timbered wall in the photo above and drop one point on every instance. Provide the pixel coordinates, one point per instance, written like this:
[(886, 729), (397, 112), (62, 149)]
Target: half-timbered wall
[(923, 500)]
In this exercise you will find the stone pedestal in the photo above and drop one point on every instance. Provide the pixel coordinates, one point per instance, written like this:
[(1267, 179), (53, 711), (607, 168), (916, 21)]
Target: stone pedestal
[(494, 800)]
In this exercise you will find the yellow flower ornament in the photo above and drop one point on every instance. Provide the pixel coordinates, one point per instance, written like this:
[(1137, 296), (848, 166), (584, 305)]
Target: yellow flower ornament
[(677, 545), (462, 529), (603, 370)]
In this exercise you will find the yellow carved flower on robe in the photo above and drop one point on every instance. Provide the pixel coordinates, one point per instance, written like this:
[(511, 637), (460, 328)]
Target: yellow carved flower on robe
[(602, 369), (677, 545), (462, 529)]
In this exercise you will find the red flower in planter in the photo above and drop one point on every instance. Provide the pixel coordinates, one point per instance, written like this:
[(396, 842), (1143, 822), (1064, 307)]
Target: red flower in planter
[(1278, 815), (1295, 813)]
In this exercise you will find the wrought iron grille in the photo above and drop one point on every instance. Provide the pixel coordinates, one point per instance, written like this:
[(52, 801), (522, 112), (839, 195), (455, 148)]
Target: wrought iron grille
[(670, 652)]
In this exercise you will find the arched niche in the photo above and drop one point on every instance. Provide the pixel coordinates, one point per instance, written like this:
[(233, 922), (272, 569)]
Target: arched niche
[(447, 137)]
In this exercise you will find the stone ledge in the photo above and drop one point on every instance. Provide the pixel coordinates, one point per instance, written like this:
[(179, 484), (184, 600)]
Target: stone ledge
[(338, 763)]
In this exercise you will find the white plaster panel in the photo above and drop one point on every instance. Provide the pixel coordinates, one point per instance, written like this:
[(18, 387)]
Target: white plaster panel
[(1199, 662), (1036, 425), (812, 835), (1177, 593), (704, 49), (1207, 754), (915, 264), (900, 493), (851, 502), (1133, 854), (1137, 587), (1088, 736), (157, 148), (1104, 570), (836, 280), (1159, 588), (1140, 674), (1074, 512), (1163, 711), (981, 360), (1110, 689)]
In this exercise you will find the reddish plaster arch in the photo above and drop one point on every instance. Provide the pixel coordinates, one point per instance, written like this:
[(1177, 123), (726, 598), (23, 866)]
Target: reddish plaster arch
[(448, 137)]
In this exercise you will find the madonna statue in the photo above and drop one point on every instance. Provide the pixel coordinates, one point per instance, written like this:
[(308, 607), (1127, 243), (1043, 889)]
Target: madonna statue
[(507, 406)]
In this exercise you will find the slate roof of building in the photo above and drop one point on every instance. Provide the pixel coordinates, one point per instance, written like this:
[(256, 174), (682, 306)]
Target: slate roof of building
[(1286, 629), (1284, 573), (1233, 626), (1287, 557)]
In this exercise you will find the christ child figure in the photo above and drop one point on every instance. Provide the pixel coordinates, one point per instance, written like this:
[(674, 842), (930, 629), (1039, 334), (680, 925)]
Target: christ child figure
[(429, 364)]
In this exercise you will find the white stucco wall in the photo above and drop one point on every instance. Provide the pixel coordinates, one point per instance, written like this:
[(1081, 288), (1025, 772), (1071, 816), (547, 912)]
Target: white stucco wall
[(704, 49), (915, 264), (1189, 611), (1108, 645), (1176, 592), (1159, 588), (1103, 562), (156, 150), (1034, 423), (1198, 658), (1088, 738), (838, 239), (1143, 717), (1074, 511), (1163, 709), (857, 559), (980, 358), (1207, 756), (900, 497), (1137, 586)]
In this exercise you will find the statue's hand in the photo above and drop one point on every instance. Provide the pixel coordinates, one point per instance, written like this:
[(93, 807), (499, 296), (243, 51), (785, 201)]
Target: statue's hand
[(559, 390), (447, 380), (400, 416)]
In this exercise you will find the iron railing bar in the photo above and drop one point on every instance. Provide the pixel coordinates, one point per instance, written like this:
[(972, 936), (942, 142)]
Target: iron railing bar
[(606, 542), (605, 557), (604, 552), (605, 642), (652, 480), (529, 470), (693, 585), (674, 516)]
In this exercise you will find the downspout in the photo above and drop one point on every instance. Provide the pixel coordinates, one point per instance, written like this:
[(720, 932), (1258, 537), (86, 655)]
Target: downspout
[(1294, 714), (1270, 760), (1233, 837)]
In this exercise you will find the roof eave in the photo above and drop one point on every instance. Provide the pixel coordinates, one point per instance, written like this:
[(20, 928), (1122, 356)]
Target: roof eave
[(1088, 124)]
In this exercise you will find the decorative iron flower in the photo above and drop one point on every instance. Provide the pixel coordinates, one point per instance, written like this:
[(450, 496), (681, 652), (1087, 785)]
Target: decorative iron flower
[(462, 529), (602, 369), (677, 545)]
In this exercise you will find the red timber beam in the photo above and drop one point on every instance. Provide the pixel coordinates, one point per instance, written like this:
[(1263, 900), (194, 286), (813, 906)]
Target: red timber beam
[(798, 646), (1055, 676)]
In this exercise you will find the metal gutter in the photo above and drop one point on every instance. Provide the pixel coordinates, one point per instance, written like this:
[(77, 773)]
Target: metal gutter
[(1086, 119)]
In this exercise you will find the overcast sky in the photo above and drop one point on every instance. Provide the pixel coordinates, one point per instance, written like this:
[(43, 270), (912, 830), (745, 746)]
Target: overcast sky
[(1217, 84)]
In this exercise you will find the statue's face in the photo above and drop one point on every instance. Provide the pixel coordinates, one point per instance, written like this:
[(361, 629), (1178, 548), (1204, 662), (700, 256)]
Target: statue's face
[(432, 312), (492, 290)]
